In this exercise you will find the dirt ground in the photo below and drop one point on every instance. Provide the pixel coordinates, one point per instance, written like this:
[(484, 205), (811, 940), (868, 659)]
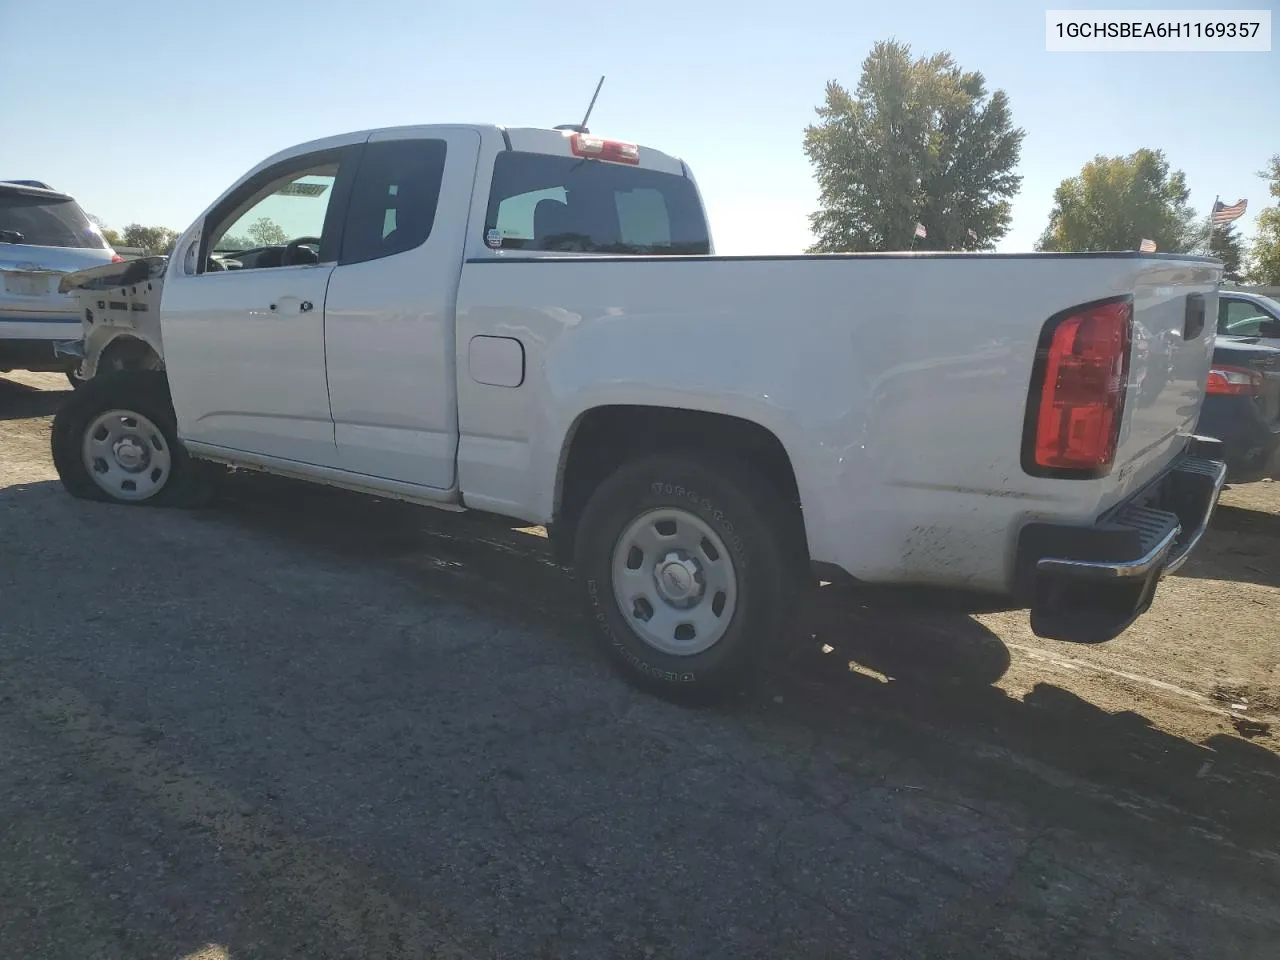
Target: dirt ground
[(308, 723)]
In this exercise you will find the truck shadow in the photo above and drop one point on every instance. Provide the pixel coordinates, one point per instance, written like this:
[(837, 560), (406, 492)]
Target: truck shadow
[(1242, 546), (21, 402), (392, 735), (913, 679)]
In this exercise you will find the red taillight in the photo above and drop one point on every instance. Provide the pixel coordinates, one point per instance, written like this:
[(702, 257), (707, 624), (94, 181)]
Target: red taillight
[(116, 258), (1234, 382), (1077, 396), (585, 145)]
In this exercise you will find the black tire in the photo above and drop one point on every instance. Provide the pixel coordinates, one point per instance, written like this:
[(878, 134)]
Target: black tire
[(76, 382), (755, 525), (190, 482)]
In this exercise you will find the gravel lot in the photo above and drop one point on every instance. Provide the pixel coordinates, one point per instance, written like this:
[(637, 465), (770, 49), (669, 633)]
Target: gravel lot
[(312, 724)]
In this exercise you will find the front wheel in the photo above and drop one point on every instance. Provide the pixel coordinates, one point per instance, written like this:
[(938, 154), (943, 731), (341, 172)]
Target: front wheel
[(685, 570), (116, 439)]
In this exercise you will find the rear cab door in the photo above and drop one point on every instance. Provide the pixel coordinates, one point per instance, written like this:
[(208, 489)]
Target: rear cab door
[(389, 336), (244, 341)]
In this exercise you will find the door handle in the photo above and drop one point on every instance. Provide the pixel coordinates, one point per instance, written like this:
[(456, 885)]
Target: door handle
[(304, 306)]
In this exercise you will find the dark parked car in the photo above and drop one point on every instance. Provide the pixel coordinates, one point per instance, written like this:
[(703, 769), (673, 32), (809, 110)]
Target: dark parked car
[(1242, 407), (1243, 314)]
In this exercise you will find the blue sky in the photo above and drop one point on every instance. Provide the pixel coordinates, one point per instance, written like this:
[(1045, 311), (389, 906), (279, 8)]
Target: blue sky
[(216, 87)]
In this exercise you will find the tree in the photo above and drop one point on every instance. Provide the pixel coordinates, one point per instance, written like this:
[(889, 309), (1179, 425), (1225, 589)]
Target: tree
[(1264, 260), (1116, 202), (919, 141), (1225, 245), (265, 232), (154, 240)]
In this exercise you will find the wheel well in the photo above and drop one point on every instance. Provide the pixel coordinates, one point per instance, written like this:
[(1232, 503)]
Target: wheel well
[(606, 437), (130, 350)]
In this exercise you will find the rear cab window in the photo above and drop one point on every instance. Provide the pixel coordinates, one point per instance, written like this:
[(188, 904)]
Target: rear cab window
[(43, 218), (541, 202)]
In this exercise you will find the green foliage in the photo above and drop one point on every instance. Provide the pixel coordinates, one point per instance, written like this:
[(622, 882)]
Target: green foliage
[(265, 232), (1264, 259), (1225, 245), (1116, 202), (918, 141), (154, 240)]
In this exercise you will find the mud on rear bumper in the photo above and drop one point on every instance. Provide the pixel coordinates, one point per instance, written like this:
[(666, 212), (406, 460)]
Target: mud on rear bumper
[(1087, 584)]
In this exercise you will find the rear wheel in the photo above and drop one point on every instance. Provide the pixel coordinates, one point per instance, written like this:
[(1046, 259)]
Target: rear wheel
[(115, 439), (686, 572)]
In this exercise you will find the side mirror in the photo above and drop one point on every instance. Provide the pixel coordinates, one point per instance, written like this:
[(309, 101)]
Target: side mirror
[(1269, 328)]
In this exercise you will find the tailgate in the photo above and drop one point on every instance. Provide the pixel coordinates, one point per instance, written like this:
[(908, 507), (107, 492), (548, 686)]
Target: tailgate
[(1174, 306)]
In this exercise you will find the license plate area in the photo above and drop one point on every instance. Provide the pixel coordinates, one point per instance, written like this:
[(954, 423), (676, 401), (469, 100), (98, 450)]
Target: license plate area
[(22, 284)]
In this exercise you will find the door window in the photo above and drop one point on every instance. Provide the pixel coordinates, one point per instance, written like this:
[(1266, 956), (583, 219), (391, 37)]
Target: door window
[(1240, 318), (277, 218), (393, 199)]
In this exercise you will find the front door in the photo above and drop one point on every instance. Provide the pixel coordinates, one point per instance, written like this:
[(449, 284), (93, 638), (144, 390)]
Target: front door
[(243, 312), (389, 317)]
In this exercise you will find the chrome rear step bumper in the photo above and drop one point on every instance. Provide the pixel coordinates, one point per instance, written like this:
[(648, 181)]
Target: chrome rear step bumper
[(1087, 584)]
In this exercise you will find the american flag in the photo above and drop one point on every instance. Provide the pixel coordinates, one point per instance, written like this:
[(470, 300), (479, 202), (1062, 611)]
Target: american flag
[(1147, 246), (921, 231), (1224, 214)]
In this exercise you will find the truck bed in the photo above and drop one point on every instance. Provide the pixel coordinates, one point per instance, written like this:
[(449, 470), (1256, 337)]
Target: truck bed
[(897, 383)]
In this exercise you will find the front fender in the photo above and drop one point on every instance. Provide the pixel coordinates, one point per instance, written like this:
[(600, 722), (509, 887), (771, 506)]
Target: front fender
[(98, 339)]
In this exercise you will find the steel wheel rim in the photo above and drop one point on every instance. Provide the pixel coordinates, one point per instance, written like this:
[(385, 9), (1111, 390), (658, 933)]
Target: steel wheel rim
[(126, 454), (674, 581)]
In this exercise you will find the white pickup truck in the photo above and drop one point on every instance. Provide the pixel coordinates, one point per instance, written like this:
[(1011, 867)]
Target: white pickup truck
[(533, 323)]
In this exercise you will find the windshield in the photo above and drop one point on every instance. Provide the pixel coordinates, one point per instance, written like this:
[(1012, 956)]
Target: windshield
[(46, 222)]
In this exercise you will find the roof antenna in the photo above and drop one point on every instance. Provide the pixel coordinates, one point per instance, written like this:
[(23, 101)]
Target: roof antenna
[(582, 127)]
